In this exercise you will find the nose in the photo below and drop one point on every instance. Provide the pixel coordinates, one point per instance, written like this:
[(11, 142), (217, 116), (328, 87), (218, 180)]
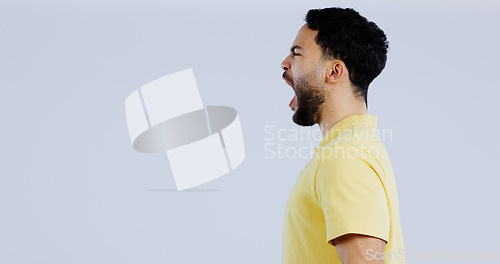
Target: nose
[(285, 65)]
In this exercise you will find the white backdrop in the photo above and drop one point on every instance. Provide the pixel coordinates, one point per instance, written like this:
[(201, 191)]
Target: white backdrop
[(72, 189)]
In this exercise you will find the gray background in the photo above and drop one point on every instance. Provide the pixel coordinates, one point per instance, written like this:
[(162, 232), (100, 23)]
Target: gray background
[(72, 189)]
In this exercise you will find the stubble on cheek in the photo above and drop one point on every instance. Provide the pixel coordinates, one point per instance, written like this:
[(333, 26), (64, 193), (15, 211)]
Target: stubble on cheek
[(311, 100)]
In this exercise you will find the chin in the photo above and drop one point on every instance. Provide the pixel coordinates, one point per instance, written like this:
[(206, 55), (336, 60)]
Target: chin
[(299, 118)]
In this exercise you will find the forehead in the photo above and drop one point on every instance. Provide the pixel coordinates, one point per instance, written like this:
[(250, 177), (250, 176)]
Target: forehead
[(306, 39)]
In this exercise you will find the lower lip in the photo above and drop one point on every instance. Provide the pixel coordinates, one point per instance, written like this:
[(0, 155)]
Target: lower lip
[(293, 103)]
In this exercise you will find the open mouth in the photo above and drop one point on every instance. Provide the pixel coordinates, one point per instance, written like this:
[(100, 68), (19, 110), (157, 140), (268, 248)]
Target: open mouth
[(293, 102)]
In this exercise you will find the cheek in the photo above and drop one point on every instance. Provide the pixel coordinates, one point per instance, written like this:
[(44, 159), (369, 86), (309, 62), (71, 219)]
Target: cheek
[(297, 71)]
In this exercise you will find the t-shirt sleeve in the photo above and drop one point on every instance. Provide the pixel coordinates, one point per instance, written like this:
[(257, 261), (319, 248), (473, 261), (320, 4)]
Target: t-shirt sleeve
[(352, 197)]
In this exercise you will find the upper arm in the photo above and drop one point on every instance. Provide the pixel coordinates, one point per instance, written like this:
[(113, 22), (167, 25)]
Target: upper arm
[(355, 248)]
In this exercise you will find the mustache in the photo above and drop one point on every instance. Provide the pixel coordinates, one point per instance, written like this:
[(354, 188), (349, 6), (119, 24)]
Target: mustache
[(288, 79)]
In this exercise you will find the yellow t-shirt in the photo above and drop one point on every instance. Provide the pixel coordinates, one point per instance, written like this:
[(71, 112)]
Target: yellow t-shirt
[(348, 186)]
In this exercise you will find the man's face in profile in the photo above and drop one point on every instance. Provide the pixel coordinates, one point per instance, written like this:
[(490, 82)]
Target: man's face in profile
[(304, 72)]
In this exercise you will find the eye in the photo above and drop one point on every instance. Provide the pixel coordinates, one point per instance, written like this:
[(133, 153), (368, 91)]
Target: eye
[(296, 54)]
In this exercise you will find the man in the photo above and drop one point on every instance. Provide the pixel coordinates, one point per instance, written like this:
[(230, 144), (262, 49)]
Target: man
[(344, 205)]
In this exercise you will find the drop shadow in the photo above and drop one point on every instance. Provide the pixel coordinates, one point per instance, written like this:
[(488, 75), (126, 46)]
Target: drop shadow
[(187, 190)]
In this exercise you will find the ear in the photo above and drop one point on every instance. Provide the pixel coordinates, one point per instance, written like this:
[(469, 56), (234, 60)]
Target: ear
[(335, 71)]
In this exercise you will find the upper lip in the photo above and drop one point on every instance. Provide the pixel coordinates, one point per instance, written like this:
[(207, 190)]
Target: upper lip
[(288, 82)]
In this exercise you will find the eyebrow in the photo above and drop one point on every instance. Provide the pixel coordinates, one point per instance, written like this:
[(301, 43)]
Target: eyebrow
[(292, 49)]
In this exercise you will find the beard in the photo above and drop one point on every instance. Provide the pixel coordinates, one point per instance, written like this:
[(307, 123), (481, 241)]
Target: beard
[(310, 93)]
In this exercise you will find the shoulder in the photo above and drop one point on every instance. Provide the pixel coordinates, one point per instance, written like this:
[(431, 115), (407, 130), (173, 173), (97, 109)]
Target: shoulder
[(347, 163)]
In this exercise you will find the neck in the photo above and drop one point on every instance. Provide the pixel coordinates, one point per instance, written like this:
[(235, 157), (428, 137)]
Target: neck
[(336, 111)]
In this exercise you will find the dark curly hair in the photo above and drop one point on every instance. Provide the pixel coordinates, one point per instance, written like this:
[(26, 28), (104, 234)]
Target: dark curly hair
[(346, 35)]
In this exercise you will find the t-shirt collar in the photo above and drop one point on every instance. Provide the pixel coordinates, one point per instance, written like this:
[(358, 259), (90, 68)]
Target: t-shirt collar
[(352, 120)]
